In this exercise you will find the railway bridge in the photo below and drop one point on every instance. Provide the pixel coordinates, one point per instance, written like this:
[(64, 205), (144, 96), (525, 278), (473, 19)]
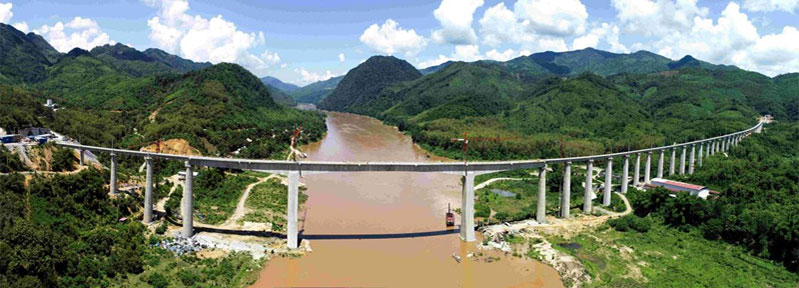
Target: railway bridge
[(694, 151)]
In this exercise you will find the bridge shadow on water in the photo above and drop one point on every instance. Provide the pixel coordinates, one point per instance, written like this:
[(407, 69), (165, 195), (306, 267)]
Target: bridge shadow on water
[(378, 236), (302, 235)]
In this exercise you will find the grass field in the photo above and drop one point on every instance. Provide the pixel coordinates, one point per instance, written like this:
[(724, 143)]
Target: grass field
[(268, 202)]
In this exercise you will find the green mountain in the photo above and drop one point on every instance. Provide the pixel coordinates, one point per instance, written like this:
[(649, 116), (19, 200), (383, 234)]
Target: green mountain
[(280, 97), (178, 64), (434, 69), (21, 57), (280, 85), (363, 83), (315, 92)]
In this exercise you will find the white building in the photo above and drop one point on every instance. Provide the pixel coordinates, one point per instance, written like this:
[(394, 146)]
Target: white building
[(677, 186)]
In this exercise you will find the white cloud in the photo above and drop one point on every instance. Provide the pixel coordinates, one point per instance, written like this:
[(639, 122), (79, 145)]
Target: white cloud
[(307, 77), (608, 32), (199, 39), (22, 26), (391, 39), (771, 5), (775, 54), (81, 32), (5, 12), (501, 56), (500, 25), (455, 17), (341, 57), (556, 18), (656, 18), (283, 66), (432, 62), (468, 53)]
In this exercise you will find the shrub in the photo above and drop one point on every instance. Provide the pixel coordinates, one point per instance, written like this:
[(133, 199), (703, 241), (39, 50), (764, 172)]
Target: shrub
[(158, 280)]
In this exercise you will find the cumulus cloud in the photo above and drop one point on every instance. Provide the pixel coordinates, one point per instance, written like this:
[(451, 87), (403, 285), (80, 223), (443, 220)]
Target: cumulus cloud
[(656, 18), (81, 32), (5, 12), (771, 5), (556, 18), (22, 26), (499, 25), (341, 57), (199, 39), (501, 56), (608, 32), (391, 39), (307, 77), (455, 17)]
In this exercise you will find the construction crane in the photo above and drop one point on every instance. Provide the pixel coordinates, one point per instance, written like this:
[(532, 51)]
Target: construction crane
[(465, 140), (295, 152)]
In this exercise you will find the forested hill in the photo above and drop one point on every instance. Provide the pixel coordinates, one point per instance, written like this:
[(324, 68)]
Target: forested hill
[(115, 94), (280, 85), (316, 92), (363, 83)]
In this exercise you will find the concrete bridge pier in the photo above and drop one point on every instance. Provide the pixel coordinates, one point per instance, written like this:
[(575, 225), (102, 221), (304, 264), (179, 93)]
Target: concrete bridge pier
[(648, 167), (625, 173), (660, 164), (541, 203), (608, 183), (113, 183), (692, 159), (717, 147), (636, 173), (673, 162), (82, 157), (188, 203), (565, 201), (709, 149), (148, 192), (589, 186), (467, 208), (293, 202), (701, 149), (682, 160)]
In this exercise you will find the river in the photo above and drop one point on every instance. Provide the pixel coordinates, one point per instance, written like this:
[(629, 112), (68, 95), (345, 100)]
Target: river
[(366, 229)]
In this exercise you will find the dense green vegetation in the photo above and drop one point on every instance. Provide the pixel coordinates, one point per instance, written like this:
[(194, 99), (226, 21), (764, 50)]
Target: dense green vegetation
[(64, 231), (9, 161), (363, 83)]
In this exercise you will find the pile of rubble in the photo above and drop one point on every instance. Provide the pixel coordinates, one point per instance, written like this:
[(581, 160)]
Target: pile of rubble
[(180, 245)]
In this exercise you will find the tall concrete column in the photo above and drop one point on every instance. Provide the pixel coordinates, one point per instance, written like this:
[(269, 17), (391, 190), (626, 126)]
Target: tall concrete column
[(625, 173), (711, 148), (682, 160), (608, 183), (565, 201), (541, 203), (701, 149), (589, 186), (82, 157), (660, 164), (718, 147), (293, 202), (637, 173), (673, 161), (692, 159), (113, 183), (148, 192), (188, 203), (648, 165), (467, 208)]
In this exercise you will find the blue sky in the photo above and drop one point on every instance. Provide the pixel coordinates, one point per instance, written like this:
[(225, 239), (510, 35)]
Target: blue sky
[(305, 41)]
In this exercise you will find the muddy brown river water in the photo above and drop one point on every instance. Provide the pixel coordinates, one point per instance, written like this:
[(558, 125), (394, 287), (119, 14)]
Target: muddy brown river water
[(387, 229)]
